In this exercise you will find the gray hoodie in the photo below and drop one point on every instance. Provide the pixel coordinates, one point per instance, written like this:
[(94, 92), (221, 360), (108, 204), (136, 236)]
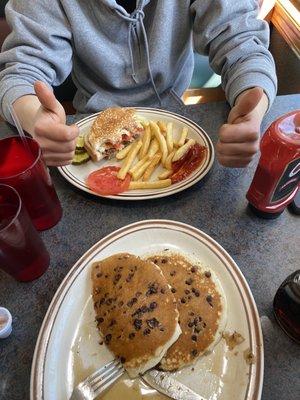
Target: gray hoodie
[(136, 59)]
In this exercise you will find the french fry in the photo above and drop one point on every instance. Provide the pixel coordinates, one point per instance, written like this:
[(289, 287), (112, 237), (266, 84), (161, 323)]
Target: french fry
[(151, 167), (146, 142), (138, 165), (129, 159), (183, 149), (163, 127), (143, 121), (170, 143), (161, 140), (183, 136), (154, 147), (150, 185), (123, 153), (168, 163), (165, 174), (140, 171), (176, 145)]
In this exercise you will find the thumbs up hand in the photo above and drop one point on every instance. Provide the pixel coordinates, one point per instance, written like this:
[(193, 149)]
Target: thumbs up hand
[(239, 138), (56, 139)]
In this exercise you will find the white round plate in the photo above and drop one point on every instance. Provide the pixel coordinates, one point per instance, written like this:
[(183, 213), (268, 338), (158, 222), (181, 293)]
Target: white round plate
[(68, 348), (77, 174)]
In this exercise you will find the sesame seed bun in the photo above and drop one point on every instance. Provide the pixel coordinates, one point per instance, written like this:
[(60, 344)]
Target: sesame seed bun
[(111, 131)]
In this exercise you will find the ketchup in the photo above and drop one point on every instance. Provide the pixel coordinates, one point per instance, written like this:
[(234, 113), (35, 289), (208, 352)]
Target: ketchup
[(188, 163), (277, 178)]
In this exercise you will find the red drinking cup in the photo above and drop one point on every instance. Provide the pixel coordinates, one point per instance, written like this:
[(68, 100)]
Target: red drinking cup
[(22, 252), (23, 168)]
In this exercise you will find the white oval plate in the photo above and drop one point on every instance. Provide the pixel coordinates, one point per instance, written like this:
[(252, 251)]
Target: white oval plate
[(77, 174), (68, 349)]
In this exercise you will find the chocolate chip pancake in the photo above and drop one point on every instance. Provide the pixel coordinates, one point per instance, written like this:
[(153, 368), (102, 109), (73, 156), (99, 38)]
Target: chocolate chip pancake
[(201, 305), (135, 309)]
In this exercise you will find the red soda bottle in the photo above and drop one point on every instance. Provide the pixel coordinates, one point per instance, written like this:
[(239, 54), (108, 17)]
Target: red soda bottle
[(277, 177)]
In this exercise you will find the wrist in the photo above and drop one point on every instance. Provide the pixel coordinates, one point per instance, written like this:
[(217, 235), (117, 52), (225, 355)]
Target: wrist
[(262, 106)]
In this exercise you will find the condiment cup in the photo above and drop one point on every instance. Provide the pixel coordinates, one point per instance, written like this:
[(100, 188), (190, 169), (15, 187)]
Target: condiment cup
[(6, 329)]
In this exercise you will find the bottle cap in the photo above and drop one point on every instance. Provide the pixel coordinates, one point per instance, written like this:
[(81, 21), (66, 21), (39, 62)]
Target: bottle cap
[(5, 323), (263, 214)]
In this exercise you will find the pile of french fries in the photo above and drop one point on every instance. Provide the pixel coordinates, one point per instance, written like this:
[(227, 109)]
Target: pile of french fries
[(157, 147)]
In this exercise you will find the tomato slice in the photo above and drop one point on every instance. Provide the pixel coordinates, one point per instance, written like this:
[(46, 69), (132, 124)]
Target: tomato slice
[(104, 181)]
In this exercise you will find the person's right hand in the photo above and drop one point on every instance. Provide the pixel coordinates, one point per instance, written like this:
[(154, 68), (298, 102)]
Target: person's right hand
[(57, 140)]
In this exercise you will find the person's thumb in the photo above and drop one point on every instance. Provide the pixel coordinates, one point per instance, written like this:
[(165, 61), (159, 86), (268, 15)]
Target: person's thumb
[(46, 96), (245, 104)]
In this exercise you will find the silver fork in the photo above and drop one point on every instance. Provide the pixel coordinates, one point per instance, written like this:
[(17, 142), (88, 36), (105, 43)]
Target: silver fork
[(98, 382)]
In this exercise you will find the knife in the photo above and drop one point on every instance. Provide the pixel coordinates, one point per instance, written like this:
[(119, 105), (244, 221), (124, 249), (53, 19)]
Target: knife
[(165, 384)]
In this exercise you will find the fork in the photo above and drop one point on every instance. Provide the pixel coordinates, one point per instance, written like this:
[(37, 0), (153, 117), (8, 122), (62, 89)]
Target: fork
[(98, 382)]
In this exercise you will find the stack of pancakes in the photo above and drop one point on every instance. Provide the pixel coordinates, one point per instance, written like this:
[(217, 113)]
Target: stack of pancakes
[(163, 310)]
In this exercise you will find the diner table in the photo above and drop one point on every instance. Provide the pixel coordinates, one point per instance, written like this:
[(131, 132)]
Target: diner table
[(266, 251)]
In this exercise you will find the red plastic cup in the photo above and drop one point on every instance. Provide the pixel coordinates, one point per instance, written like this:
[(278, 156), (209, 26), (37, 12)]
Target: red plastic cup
[(23, 254), (23, 168)]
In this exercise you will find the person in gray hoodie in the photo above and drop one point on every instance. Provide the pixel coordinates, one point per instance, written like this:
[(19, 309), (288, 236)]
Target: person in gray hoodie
[(134, 53)]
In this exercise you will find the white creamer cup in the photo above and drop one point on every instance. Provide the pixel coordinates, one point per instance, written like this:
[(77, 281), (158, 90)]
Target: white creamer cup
[(5, 331)]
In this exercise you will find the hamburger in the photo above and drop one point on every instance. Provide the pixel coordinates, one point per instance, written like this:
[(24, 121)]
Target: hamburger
[(112, 130)]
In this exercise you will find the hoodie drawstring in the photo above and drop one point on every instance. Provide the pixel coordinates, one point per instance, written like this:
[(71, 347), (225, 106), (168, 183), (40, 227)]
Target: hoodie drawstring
[(138, 17)]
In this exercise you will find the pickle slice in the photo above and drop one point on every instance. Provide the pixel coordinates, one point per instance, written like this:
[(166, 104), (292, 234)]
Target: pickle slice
[(80, 151), (80, 159), (80, 143)]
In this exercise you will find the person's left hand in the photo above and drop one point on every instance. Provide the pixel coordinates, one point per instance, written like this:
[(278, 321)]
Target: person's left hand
[(239, 138)]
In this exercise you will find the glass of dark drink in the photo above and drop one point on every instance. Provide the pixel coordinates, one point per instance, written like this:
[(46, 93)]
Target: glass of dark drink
[(287, 306), (22, 252), (22, 167)]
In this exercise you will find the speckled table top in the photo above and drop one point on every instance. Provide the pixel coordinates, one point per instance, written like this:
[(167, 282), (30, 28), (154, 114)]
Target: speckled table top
[(266, 252)]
